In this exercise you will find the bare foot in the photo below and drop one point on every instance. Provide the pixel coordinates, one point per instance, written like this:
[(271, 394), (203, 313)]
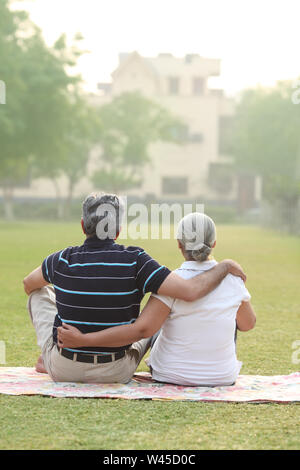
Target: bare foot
[(39, 367)]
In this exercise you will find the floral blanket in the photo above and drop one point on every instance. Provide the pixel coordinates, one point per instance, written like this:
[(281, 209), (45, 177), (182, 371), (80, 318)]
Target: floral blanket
[(248, 388)]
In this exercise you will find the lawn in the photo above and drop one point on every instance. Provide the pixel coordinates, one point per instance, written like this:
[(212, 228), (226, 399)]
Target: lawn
[(272, 263)]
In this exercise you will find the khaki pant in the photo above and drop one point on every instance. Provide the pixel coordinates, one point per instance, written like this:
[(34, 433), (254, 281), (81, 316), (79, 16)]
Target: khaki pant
[(42, 309)]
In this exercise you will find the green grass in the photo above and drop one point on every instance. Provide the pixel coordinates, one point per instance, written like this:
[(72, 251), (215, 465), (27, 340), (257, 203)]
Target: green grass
[(272, 263)]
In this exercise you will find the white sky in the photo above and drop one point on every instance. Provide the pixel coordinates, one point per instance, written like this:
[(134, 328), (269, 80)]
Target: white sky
[(256, 40)]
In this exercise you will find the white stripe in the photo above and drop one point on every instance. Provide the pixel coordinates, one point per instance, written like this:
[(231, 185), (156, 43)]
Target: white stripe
[(87, 277), (144, 266), (97, 308), (103, 251)]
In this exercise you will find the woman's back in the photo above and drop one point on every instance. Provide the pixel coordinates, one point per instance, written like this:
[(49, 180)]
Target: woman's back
[(196, 345)]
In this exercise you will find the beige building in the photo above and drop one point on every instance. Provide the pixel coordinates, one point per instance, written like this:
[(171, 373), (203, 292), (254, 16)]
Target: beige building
[(199, 169)]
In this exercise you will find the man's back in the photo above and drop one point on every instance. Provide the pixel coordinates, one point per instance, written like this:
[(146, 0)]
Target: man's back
[(101, 284)]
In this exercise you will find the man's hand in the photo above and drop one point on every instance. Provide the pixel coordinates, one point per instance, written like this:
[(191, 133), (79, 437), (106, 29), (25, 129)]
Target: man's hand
[(69, 337), (190, 290), (235, 269)]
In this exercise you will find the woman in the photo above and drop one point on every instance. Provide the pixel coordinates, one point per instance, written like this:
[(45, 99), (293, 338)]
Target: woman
[(196, 344)]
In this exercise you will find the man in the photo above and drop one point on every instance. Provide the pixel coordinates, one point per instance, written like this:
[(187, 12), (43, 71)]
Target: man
[(99, 285)]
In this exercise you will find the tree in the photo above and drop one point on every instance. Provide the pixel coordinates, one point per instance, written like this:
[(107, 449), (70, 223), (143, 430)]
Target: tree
[(14, 157), (129, 124), (83, 126), (35, 120), (65, 146), (265, 140)]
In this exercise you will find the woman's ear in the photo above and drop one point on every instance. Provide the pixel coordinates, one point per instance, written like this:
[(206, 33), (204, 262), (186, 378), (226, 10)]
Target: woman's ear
[(214, 245), (180, 246)]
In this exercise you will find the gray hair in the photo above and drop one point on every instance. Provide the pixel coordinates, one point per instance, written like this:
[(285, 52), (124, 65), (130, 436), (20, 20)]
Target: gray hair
[(197, 234), (102, 215)]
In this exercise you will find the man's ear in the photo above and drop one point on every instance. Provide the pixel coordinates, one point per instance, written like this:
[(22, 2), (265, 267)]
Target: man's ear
[(118, 233), (214, 245), (82, 226)]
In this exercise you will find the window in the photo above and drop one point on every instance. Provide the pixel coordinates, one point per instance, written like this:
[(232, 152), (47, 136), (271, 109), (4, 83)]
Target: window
[(226, 124), (175, 185), (221, 177), (196, 138), (198, 86), (173, 85), (179, 133), (105, 88)]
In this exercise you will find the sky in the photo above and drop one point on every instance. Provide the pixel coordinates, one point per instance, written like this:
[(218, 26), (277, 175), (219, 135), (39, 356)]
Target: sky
[(256, 40)]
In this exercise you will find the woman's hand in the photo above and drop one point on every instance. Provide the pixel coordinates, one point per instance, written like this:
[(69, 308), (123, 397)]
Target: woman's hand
[(69, 337)]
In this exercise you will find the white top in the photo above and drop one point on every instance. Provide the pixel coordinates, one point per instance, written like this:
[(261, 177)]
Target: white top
[(196, 345)]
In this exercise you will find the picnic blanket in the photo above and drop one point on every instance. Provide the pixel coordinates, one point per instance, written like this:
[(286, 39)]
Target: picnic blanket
[(248, 388)]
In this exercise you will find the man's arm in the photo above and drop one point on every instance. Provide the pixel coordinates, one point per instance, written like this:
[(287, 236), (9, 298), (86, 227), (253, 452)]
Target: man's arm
[(149, 322), (34, 280), (201, 285)]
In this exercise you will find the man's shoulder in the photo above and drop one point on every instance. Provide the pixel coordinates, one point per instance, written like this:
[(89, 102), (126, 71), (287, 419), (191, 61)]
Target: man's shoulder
[(71, 250), (136, 250)]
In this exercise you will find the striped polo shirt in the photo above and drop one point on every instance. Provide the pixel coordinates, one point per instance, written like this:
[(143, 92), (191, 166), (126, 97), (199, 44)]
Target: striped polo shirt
[(100, 284)]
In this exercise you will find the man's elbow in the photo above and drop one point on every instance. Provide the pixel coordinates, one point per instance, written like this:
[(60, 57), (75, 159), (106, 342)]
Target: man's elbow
[(27, 286), (192, 291), (189, 295)]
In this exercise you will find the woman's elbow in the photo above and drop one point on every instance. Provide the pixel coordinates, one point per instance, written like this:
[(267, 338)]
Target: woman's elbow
[(248, 326), (252, 322)]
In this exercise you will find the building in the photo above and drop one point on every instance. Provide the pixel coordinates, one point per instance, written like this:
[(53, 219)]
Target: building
[(200, 169)]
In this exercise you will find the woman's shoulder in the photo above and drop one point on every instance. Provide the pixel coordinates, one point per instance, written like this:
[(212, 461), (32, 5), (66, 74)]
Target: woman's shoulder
[(238, 286)]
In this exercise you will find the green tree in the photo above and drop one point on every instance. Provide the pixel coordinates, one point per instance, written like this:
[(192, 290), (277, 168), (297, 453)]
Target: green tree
[(130, 123), (13, 165), (266, 141), (35, 121), (81, 133), (64, 147)]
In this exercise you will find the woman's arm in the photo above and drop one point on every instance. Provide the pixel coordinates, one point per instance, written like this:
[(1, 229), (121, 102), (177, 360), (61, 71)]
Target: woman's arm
[(245, 317), (149, 322)]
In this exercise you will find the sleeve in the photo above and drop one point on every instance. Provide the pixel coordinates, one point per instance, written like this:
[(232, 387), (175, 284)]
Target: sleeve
[(168, 301), (243, 291), (49, 265), (150, 274)]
